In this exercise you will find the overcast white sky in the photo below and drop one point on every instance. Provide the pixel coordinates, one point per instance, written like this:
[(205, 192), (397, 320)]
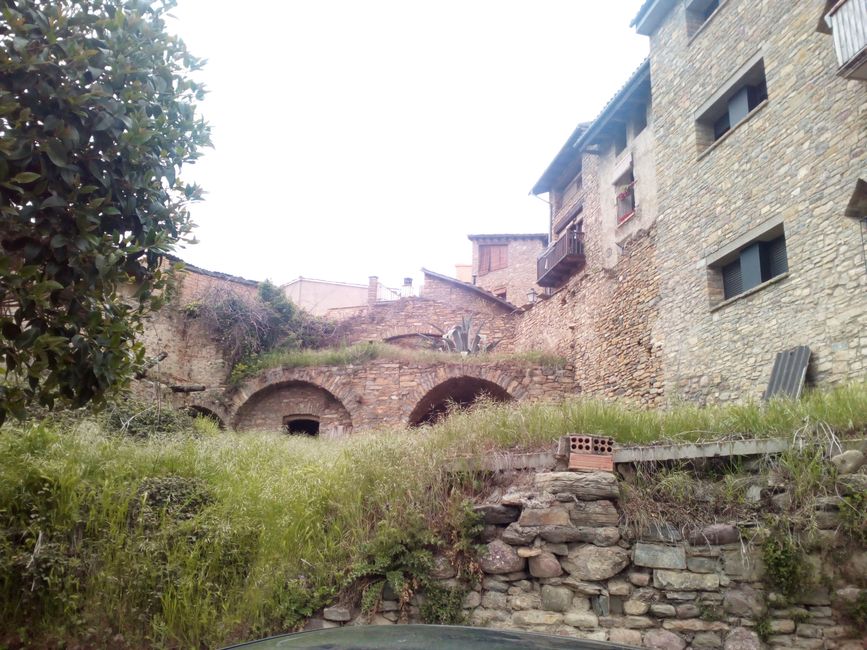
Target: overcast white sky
[(369, 138)]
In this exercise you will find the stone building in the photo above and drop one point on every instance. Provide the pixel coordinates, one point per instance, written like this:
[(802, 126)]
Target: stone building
[(505, 265), (708, 201)]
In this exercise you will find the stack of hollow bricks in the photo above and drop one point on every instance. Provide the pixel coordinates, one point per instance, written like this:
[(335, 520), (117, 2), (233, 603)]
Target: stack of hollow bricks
[(590, 453)]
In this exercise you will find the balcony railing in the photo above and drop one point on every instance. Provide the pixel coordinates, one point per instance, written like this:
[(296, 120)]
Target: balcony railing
[(561, 260), (848, 22)]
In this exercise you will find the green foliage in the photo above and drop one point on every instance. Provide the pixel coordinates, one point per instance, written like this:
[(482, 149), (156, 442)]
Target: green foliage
[(141, 419), (461, 339), (763, 627), (191, 540), (248, 326), (97, 117), (786, 568), (443, 605), (857, 611), (853, 517)]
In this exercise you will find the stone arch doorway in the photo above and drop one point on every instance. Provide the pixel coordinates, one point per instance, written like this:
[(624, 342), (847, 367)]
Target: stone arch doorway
[(275, 407), (459, 391), (197, 411)]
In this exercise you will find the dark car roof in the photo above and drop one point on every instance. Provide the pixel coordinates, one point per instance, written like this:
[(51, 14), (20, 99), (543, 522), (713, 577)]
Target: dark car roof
[(421, 637)]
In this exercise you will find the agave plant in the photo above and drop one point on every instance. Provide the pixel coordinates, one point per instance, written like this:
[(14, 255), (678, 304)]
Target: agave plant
[(461, 338)]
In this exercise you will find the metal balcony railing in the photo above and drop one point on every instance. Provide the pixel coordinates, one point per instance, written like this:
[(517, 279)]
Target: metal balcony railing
[(848, 22), (561, 260)]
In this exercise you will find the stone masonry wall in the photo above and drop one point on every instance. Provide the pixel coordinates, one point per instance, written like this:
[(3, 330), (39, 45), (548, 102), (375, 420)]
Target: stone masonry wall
[(602, 321), (519, 276), (559, 560), (380, 393), (796, 157), (193, 357)]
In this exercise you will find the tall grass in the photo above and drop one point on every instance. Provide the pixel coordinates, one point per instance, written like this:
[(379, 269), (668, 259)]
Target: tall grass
[(364, 352), (195, 540)]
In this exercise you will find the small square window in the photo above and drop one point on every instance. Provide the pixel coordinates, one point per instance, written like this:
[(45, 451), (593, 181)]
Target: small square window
[(731, 105), (754, 263), (697, 14), (624, 190)]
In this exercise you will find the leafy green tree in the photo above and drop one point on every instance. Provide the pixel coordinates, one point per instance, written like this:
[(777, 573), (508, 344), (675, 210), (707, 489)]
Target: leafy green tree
[(97, 117)]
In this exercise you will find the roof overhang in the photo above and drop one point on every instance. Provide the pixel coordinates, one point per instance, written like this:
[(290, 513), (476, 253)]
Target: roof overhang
[(649, 17), (635, 92)]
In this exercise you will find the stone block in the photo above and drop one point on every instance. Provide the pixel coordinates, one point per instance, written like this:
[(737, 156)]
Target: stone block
[(663, 640), (500, 558), (584, 620), (555, 548), (715, 535), (545, 565), (556, 599), (337, 613), (606, 536), (553, 516), (585, 486), (684, 580), (536, 617), (849, 461), (702, 564), (624, 636), (493, 584), (658, 556), (495, 600), (517, 535), (664, 610), (706, 640), (694, 625), (472, 599), (594, 513), (635, 607), (619, 587), (638, 622), (528, 551), (687, 610), (498, 513), (639, 579), (596, 563), (744, 601), (525, 601), (742, 638)]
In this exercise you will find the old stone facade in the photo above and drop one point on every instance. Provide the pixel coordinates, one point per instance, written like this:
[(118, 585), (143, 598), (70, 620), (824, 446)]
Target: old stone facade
[(505, 265), (787, 169), (734, 151)]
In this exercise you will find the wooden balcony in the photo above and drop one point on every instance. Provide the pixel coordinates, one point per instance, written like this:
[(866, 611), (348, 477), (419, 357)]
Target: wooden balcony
[(848, 23), (561, 260)]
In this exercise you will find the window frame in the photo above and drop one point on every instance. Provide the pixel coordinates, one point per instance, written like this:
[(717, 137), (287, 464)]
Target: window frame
[(765, 265), (748, 83), (502, 259)]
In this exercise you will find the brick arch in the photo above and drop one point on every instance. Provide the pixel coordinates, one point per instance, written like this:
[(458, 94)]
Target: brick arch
[(509, 382), (327, 380)]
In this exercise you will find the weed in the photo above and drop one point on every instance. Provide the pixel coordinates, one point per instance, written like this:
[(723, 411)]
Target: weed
[(853, 517), (786, 568), (763, 627), (856, 611), (443, 605)]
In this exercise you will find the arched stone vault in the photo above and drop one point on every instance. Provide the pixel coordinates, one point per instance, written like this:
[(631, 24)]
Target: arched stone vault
[(384, 392)]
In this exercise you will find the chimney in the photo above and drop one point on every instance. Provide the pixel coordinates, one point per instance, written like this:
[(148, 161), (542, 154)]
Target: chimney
[(372, 290)]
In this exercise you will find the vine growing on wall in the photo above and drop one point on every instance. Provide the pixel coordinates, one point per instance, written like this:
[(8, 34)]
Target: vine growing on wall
[(244, 326)]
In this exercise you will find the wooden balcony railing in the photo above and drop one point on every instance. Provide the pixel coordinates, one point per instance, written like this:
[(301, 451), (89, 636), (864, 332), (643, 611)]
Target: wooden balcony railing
[(561, 260), (848, 22)]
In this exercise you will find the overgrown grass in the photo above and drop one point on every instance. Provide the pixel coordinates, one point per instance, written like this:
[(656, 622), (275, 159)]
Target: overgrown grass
[(364, 352), (201, 538)]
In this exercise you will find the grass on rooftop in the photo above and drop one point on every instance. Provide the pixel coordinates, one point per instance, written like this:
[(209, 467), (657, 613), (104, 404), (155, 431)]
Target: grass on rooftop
[(364, 352), (203, 537)]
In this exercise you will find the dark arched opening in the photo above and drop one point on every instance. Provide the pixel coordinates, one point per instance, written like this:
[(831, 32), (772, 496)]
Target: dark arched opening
[(417, 341), (202, 412), (458, 392), (267, 409), (307, 425)]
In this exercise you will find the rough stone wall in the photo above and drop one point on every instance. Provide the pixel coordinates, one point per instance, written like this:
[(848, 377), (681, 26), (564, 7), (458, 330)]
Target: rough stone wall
[(442, 305), (602, 321), (559, 560), (519, 276), (266, 410), (193, 358), (381, 393), (797, 157)]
